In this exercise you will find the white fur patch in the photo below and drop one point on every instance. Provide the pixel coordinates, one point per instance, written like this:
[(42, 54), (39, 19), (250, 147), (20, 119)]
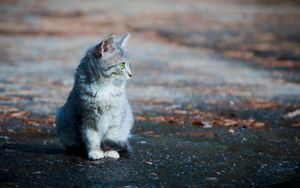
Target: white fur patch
[(112, 154), (93, 139), (96, 154)]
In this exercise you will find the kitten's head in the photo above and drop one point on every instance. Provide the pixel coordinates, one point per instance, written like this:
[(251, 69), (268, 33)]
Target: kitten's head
[(112, 58)]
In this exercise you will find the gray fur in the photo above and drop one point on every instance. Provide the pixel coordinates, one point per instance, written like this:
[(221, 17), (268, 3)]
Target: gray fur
[(97, 110)]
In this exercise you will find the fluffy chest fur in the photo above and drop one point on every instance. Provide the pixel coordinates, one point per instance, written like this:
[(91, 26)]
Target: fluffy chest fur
[(103, 96), (108, 103), (111, 109), (108, 94)]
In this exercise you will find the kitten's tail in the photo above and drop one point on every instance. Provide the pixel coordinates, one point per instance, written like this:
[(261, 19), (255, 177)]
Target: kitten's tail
[(59, 120), (67, 133)]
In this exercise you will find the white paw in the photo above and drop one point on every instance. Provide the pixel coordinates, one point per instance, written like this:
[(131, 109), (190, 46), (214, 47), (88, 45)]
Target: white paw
[(112, 154), (96, 154)]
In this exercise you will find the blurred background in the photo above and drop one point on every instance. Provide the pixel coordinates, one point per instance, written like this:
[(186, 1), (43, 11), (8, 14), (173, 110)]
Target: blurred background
[(225, 70), (181, 50)]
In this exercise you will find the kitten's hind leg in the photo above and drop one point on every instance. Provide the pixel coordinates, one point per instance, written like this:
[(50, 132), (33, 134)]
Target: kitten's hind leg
[(113, 149), (116, 141), (115, 145)]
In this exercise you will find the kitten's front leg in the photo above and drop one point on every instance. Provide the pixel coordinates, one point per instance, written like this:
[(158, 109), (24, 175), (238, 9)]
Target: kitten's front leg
[(91, 139)]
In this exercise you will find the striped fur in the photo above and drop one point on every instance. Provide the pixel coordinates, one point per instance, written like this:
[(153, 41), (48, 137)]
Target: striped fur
[(97, 110)]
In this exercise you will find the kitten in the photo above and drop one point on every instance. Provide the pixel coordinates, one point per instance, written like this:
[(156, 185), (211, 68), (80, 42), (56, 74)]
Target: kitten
[(97, 115)]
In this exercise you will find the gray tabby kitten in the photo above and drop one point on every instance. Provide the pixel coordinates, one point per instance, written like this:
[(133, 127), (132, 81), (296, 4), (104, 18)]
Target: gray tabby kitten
[(97, 115)]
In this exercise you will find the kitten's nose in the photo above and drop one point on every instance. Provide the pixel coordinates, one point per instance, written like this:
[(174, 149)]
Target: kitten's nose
[(129, 74)]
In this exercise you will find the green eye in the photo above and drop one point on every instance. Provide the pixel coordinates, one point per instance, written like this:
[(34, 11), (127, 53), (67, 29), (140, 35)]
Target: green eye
[(122, 65)]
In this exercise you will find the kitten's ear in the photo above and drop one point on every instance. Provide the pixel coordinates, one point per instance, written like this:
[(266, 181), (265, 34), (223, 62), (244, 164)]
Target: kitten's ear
[(123, 41), (107, 45)]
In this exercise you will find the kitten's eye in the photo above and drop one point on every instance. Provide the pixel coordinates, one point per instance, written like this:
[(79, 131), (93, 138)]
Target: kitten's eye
[(122, 65)]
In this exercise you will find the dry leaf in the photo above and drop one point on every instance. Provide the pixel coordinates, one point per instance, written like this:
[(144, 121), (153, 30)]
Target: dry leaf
[(194, 112), (207, 124), (151, 134), (218, 122), (10, 98), (180, 112), (230, 122), (140, 118), (258, 125), (292, 114), (257, 104), (157, 118), (50, 120), (32, 122), (197, 123), (172, 121), (35, 122), (20, 114), (297, 125)]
